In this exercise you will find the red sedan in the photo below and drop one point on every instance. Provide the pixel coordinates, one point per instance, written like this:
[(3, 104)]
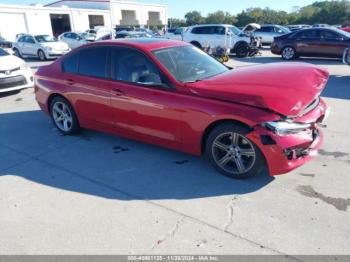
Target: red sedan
[(172, 94)]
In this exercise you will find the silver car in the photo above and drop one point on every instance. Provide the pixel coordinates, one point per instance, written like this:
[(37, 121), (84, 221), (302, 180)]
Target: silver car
[(42, 46), (268, 32)]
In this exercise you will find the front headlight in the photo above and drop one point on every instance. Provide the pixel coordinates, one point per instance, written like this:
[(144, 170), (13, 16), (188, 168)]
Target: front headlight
[(48, 48), (24, 66), (283, 128)]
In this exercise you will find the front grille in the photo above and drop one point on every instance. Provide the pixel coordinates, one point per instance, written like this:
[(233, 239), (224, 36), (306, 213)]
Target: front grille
[(9, 71), (12, 82)]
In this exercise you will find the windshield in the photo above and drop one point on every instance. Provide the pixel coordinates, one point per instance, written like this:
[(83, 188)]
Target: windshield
[(188, 63), (3, 52), (284, 29), (235, 30), (45, 38)]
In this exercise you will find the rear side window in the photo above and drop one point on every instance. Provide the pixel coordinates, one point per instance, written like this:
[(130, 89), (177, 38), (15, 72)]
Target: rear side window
[(308, 34), (266, 29), (70, 64), (93, 62), (203, 30)]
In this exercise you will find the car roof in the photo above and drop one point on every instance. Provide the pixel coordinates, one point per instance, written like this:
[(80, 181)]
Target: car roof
[(146, 44)]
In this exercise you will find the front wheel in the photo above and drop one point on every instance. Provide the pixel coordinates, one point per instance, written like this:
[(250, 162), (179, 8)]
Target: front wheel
[(64, 117), (41, 55), (17, 53), (288, 53), (232, 153)]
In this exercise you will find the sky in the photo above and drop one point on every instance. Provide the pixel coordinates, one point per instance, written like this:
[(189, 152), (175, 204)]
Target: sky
[(178, 8)]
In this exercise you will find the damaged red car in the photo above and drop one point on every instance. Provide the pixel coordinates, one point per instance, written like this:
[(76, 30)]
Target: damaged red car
[(172, 94)]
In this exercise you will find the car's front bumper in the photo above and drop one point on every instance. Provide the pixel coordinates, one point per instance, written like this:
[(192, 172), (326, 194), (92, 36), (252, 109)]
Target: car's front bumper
[(17, 80), (55, 53), (285, 153)]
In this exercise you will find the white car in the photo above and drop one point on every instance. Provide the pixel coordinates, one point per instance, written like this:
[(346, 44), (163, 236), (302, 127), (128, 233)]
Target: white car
[(42, 46), (15, 74), (267, 33), (215, 35), (74, 40)]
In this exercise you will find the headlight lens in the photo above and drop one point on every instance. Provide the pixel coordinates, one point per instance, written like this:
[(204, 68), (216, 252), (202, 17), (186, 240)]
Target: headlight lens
[(49, 48), (24, 66), (283, 128)]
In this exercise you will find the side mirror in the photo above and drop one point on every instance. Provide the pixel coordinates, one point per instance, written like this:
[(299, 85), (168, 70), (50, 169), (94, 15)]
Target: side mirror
[(150, 80)]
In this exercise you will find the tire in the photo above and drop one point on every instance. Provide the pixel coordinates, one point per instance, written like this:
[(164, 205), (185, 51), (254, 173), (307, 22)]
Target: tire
[(17, 53), (63, 116), (42, 55), (232, 153), (288, 53), (196, 44), (242, 50)]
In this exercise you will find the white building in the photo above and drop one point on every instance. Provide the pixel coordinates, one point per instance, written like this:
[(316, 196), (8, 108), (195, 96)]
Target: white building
[(78, 15)]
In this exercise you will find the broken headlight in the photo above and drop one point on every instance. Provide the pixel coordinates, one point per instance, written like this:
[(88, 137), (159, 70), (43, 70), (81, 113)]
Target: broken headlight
[(283, 128)]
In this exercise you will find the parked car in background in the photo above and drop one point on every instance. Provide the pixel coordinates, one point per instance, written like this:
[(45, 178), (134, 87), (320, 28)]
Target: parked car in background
[(244, 119), (74, 40), (219, 35), (268, 32), (176, 34), (15, 74), (314, 42), (346, 56), (42, 46), (320, 25), (6, 45), (293, 28), (131, 34), (346, 29)]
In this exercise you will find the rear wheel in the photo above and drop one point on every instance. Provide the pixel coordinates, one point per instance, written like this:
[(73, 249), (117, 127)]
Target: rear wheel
[(288, 53), (232, 153), (63, 116), (41, 55)]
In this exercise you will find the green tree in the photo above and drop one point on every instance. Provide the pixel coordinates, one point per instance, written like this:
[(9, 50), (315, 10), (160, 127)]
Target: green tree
[(194, 18), (220, 17), (175, 22)]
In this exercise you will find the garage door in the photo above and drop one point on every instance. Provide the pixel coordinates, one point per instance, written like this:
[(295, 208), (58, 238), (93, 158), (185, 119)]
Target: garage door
[(12, 24)]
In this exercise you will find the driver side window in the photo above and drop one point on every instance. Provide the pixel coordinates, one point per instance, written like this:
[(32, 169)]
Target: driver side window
[(132, 66)]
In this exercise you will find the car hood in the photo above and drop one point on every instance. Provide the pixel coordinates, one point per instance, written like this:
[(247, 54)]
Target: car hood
[(285, 88), (9, 62)]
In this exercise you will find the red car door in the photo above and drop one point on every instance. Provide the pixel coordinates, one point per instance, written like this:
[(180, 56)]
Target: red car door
[(141, 107), (86, 79)]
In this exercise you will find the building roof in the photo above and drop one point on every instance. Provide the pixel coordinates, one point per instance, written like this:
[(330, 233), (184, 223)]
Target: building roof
[(86, 4)]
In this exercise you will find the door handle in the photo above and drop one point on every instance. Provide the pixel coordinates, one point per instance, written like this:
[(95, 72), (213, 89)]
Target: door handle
[(117, 92), (69, 82)]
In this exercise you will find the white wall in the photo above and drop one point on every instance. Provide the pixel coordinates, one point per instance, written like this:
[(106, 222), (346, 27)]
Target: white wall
[(16, 19)]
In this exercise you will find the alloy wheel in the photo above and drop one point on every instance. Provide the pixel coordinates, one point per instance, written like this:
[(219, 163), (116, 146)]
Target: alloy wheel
[(62, 116), (233, 153), (288, 53)]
